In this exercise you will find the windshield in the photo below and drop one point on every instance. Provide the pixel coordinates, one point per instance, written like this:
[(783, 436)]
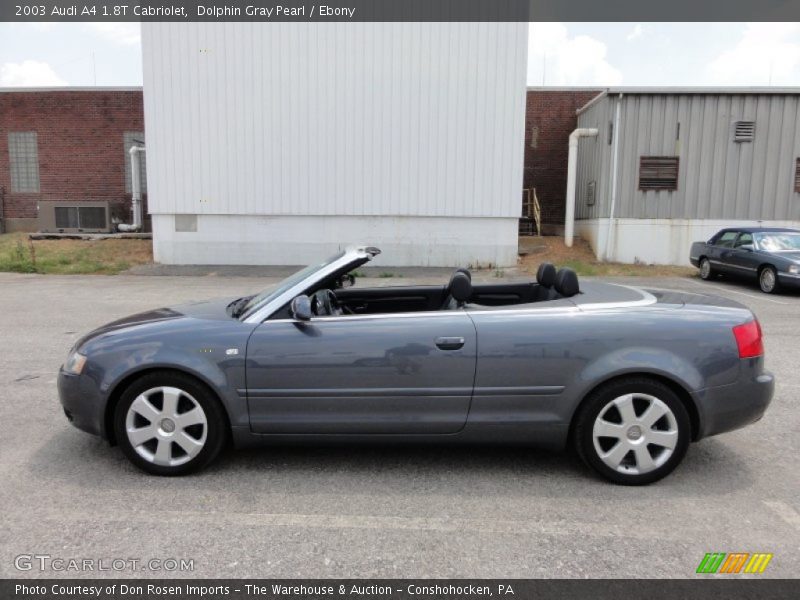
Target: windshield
[(260, 299), (779, 242)]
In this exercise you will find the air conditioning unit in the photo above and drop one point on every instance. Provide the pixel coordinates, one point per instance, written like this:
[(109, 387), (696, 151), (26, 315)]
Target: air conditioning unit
[(74, 217)]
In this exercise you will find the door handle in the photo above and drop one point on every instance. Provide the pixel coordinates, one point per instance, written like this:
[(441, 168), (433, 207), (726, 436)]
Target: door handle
[(449, 343)]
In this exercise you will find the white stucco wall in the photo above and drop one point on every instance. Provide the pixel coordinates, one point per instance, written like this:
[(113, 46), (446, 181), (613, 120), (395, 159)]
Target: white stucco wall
[(299, 240), (656, 241)]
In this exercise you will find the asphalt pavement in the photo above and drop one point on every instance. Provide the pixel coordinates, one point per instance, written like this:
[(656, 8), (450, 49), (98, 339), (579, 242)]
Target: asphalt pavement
[(368, 511)]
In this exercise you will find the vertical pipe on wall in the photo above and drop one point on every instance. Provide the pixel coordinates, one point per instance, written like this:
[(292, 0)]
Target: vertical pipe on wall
[(2, 209), (572, 175), (614, 158), (136, 192)]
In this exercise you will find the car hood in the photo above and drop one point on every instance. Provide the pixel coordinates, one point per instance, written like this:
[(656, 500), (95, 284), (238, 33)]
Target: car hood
[(793, 256), (215, 310)]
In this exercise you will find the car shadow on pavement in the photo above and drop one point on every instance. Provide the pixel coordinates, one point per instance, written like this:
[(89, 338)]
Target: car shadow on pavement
[(710, 468), (746, 286)]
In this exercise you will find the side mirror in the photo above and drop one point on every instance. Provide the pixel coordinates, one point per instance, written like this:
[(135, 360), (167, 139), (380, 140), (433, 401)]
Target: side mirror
[(301, 308), (747, 247)]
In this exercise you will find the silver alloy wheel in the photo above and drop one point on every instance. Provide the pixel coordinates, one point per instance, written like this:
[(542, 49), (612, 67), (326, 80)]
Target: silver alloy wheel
[(767, 279), (705, 269), (631, 443), (155, 432)]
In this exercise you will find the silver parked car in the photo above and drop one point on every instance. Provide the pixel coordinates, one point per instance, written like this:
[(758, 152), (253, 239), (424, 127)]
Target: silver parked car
[(627, 376)]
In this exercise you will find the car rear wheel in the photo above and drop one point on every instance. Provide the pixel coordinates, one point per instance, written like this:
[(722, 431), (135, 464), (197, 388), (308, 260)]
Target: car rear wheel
[(169, 424), (633, 431), (706, 272), (768, 280)]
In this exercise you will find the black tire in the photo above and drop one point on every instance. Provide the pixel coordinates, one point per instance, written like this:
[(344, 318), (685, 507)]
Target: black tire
[(706, 272), (216, 429), (771, 285), (599, 401)]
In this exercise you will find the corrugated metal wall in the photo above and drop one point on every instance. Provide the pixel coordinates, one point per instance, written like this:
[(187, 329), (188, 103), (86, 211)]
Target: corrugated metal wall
[(594, 161), (346, 119), (718, 178)]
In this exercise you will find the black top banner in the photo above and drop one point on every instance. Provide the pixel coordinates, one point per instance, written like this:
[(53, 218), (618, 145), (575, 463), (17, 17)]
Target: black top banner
[(398, 10)]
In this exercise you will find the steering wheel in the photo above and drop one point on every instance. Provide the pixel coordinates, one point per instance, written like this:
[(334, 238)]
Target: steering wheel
[(325, 303)]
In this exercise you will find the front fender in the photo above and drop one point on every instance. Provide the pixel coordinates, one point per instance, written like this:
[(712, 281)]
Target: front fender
[(214, 355)]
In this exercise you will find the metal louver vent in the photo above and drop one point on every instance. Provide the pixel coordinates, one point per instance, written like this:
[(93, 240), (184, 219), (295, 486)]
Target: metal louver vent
[(658, 173), (744, 131), (797, 176), (73, 217)]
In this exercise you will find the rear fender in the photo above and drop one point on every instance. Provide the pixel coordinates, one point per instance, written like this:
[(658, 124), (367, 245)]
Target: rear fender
[(638, 360)]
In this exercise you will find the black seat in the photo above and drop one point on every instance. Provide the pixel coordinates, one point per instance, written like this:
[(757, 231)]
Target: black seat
[(459, 290), (465, 272), (567, 283), (546, 278)]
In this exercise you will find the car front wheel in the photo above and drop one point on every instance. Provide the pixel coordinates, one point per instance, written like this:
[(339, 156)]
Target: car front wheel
[(768, 280), (169, 424), (705, 269), (633, 431)]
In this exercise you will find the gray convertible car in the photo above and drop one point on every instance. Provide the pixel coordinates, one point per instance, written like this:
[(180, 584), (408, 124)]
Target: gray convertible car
[(628, 377), (768, 255)]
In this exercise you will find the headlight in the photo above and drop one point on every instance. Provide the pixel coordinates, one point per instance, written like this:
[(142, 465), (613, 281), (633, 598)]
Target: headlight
[(794, 269), (75, 363)]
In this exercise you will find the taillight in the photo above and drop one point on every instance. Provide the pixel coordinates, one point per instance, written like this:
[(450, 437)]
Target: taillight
[(748, 338)]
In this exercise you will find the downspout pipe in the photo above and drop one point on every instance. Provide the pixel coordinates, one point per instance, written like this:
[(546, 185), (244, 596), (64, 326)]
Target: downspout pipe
[(614, 170), (136, 192), (572, 175)]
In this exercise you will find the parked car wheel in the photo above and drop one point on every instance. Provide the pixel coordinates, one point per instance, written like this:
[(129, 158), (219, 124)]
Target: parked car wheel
[(633, 431), (706, 272), (768, 279), (169, 424)]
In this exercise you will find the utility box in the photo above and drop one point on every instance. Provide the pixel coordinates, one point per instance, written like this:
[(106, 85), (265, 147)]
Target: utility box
[(74, 217)]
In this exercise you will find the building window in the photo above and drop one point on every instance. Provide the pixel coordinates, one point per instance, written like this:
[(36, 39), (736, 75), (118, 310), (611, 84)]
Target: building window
[(23, 154), (534, 135), (658, 173), (797, 176), (130, 139), (744, 131)]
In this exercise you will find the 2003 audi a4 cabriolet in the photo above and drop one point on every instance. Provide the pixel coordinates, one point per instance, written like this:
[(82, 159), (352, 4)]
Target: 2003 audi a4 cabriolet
[(627, 376)]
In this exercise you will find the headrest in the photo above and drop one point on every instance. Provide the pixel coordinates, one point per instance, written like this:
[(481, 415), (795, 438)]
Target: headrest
[(567, 282), (460, 287), (546, 275), (465, 272)]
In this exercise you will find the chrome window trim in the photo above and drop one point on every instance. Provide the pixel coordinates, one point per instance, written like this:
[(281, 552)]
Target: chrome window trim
[(263, 314), (350, 254), (327, 319), (431, 313), (575, 309)]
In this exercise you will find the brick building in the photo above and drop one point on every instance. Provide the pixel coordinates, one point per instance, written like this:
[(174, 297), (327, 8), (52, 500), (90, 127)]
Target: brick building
[(66, 145), (550, 116), (71, 145)]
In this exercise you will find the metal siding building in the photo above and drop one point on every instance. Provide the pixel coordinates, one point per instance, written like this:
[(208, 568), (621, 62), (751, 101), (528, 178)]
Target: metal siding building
[(280, 143), (721, 182)]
